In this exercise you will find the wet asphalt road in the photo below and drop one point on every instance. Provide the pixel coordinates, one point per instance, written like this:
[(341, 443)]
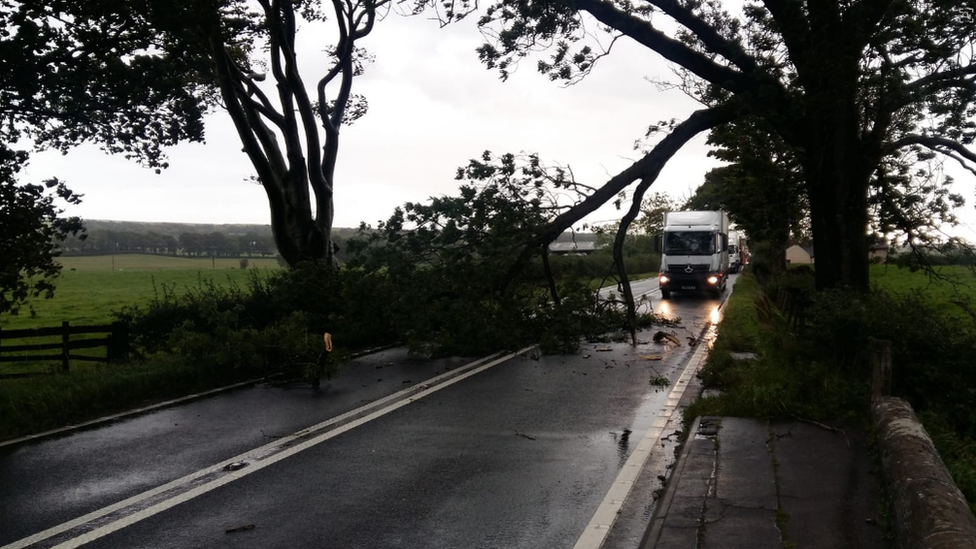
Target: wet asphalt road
[(518, 455)]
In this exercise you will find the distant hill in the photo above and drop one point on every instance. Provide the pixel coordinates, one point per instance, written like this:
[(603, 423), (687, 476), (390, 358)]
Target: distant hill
[(186, 239), (176, 229)]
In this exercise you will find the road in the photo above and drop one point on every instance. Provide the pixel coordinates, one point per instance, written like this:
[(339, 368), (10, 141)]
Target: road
[(516, 450)]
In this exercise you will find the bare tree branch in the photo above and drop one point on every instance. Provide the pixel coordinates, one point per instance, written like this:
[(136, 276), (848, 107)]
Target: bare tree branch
[(793, 27), (644, 33), (708, 35), (646, 168), (941, 145)]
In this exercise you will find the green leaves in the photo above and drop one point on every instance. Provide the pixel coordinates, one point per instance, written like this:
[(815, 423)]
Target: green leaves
[(31, 230), (106, 71)]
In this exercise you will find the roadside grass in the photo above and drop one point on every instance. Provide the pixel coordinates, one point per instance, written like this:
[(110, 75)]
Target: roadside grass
[(789, 378), (768, 385), (32, 405)]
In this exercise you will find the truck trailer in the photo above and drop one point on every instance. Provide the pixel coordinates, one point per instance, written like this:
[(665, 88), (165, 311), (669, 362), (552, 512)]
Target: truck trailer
[(737, 251), (695, 253)]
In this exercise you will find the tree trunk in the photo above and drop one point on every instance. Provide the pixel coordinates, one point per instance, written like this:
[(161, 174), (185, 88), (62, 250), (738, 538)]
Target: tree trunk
[(297, 235), (299, 238), (840, 235), (837, 180)]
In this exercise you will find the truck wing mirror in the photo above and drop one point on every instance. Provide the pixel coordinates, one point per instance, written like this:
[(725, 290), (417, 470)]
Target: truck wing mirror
[(658, 238)]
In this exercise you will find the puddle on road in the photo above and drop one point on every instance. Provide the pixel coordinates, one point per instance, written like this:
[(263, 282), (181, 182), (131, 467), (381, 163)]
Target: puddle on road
[(714, 317)]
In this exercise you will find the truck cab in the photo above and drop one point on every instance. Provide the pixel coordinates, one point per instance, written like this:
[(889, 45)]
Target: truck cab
[(694, 253)]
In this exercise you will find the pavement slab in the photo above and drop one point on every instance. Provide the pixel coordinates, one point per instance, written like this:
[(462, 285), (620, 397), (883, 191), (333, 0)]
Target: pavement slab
[(755, 484), (827, 488)]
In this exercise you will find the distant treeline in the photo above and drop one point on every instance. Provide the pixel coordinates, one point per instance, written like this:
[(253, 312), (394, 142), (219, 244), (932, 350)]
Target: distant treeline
[(108, 237)]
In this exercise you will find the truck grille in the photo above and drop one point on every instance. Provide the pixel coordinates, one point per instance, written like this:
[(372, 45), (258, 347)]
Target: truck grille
[(682, 269)]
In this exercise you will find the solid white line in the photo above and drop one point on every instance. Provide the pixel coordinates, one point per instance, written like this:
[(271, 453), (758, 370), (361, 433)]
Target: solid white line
[(595, 533), (265, 455), (137, 411)]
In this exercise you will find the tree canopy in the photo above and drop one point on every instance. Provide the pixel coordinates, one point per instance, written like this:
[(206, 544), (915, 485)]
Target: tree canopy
[(97, 71), (32, 227), (845, 84), (75, 72)]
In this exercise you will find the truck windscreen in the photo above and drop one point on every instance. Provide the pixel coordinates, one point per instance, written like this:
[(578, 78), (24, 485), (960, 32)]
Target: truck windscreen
[(689, 243)]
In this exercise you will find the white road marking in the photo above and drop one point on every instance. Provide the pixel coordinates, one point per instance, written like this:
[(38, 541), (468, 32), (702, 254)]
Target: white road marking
[(127, 413), (257, 459), (595, 533)]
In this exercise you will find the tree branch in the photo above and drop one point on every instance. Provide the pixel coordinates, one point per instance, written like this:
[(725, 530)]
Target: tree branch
[(672, 50), (708, 35), (938, 144), (251, 146), (931, 83), (863, 16), (793, 27), (646, 168)]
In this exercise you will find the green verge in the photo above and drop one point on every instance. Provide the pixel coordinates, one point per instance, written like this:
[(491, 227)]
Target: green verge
[(787, 378), (33, 405), (772, 384)]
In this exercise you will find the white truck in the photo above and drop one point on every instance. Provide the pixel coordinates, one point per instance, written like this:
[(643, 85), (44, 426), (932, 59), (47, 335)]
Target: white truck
[(694, 253), (737, 251)]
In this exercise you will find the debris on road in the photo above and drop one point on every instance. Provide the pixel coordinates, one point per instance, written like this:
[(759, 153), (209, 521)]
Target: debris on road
[(650, 357), (236, 529), (661, 337), (235, 466), (523, 435), (660, 381)]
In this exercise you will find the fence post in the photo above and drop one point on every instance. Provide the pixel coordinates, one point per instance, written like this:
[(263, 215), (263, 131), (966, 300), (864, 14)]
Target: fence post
[(880, 369), (65, 338), (118, 348)]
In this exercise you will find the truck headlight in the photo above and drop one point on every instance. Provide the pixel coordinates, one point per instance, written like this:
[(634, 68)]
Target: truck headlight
[(713, 280), (663, 279)]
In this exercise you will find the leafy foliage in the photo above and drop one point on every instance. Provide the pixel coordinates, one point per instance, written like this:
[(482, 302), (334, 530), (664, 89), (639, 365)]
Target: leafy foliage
[(273, 325), (454, 262), (31, 230), (99, 71)]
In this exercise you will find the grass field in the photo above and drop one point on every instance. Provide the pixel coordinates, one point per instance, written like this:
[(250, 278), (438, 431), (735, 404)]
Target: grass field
[(143, 262), (89, 289), (953, 283)]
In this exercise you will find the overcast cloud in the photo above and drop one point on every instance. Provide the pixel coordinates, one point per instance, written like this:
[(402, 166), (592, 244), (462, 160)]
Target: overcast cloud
[(432, 106)]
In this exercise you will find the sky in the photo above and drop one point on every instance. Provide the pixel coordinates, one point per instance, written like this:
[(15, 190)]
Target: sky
[(432, 106)]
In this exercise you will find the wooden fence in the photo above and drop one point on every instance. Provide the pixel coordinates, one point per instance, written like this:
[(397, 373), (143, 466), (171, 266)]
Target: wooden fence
[(116, 342), (793, 308)]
